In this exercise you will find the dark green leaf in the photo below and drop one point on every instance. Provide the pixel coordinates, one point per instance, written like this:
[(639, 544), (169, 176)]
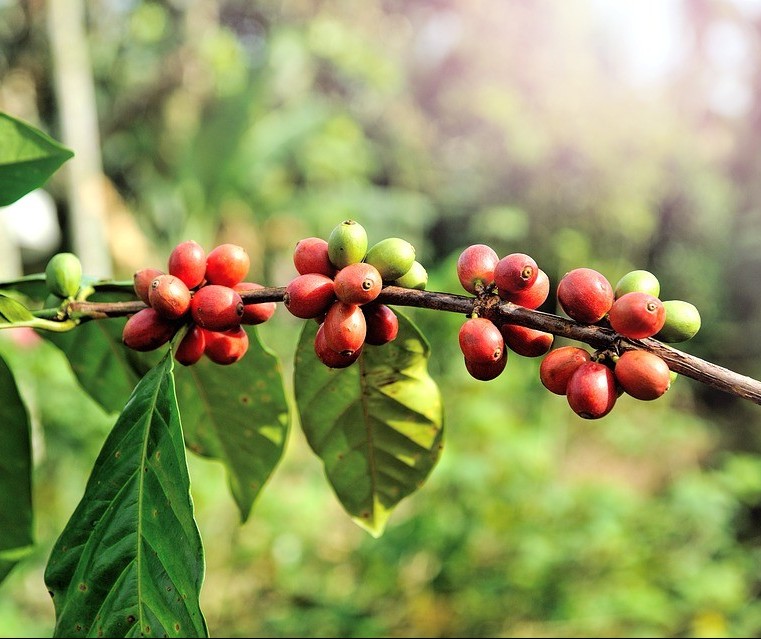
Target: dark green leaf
[(377, 425), (15, 474), (28, 157), (237, 414), (12, 311), (130, 560), (104, 366)]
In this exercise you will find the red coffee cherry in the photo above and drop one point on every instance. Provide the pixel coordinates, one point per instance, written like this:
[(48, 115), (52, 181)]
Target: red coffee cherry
[(142, 279), (475, 266), (559, 364), (191, 346), (480, 341), (309, 295), (345, 328), (526, 341), (637, 315), (328, 356), (216, 307), (169, 296), (585, 295), (515, 272), (188, 262), (358, 283), (486, 371), (226, 347), (227, 264), (255, 313), (311, 256), (382, 324), (533, 296), (591, 390), (146, 330), (642, 374)]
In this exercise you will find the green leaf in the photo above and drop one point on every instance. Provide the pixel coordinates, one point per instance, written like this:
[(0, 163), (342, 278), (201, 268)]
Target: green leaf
[(13, 311), (16, 537), (130, 560), (237, 414), (28, 157), (377, 425), (105, 368)]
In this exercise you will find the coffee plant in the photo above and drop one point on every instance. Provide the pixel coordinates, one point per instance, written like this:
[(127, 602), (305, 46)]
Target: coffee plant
[(130, 560)]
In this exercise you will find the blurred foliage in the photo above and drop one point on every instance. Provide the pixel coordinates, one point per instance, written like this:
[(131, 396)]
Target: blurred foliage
[(446, 122)]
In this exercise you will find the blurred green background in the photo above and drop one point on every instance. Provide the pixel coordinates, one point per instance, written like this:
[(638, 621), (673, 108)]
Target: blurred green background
[(613, 135)]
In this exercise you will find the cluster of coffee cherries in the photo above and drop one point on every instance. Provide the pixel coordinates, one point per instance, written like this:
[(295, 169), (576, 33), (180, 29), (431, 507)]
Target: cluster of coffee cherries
[(338, 283), (514, 278), (592, 382), (199, 293)]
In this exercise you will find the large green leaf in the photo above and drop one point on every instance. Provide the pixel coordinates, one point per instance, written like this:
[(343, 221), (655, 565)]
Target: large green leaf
[(130, 560), (377, 425), (15, 474), (13, 311), (28, 157), (237, 414), (105, 368)]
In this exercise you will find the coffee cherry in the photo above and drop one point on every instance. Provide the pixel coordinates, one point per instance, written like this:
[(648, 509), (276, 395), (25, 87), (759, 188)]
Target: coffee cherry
[(347, 244), (637, 315), (382, 324), (63, 274), (358, 283), (328, 356), (188, 262), (533, 296), (169, 296), (216, 307), (309, 295), (191, 346), (486, 371), (254, 313), (227, 264), (585, 295), (475, 267), (146, 330), (311, 256), (525, 341), (591, 390), (642, 374), (393, 257), (480, 341), (641, 281), (515, 272), (226, 347), (415, 278), (345, 328), (142, 282), (682, 322), (559, 364)]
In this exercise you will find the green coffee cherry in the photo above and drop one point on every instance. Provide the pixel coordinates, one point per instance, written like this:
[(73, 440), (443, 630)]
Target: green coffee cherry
[(63, 274), (682, 322), (638, 281), (415, 277), (393, 257), (347, 244)]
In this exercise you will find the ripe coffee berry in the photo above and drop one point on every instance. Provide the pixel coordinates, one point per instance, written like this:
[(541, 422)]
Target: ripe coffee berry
[(533, 296), (525, 341), (486, 371), (254, 313), (637, 315), (191, 346), (310, 295), (311, 256), (642, 374), (559, 364), (481, 341), (227, 264), (226, 347), (188, 262), (216, 307), (381, 322), (345, 328), (591, 390), (475, 267), (169, 296), (328, 356), (142, 282), (515, 272), (146, 330), (358, 283), (585, 295)]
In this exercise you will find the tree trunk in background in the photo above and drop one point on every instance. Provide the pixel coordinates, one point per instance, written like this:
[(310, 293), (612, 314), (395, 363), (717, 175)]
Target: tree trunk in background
[(75, 92)]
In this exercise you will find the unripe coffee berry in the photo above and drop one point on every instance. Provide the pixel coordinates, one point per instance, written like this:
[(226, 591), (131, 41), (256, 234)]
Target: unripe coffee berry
[(216, 307), (254, 313), (169, 296), (515, 272), (63, 274), (415, 278), (382, 324), (345, 328), (191, 346), (309, 295), (642, 374), (347, 244), (358, 283), (227, 264), (585, 295), (559, 364), (637, 315), (639, 280), (311, 256), (591, 390), (682, 322), (533, 296), (393, 257), (480, 341), (146, 330), (226, 347), (475, 267), (188, 262), (142, 282)]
